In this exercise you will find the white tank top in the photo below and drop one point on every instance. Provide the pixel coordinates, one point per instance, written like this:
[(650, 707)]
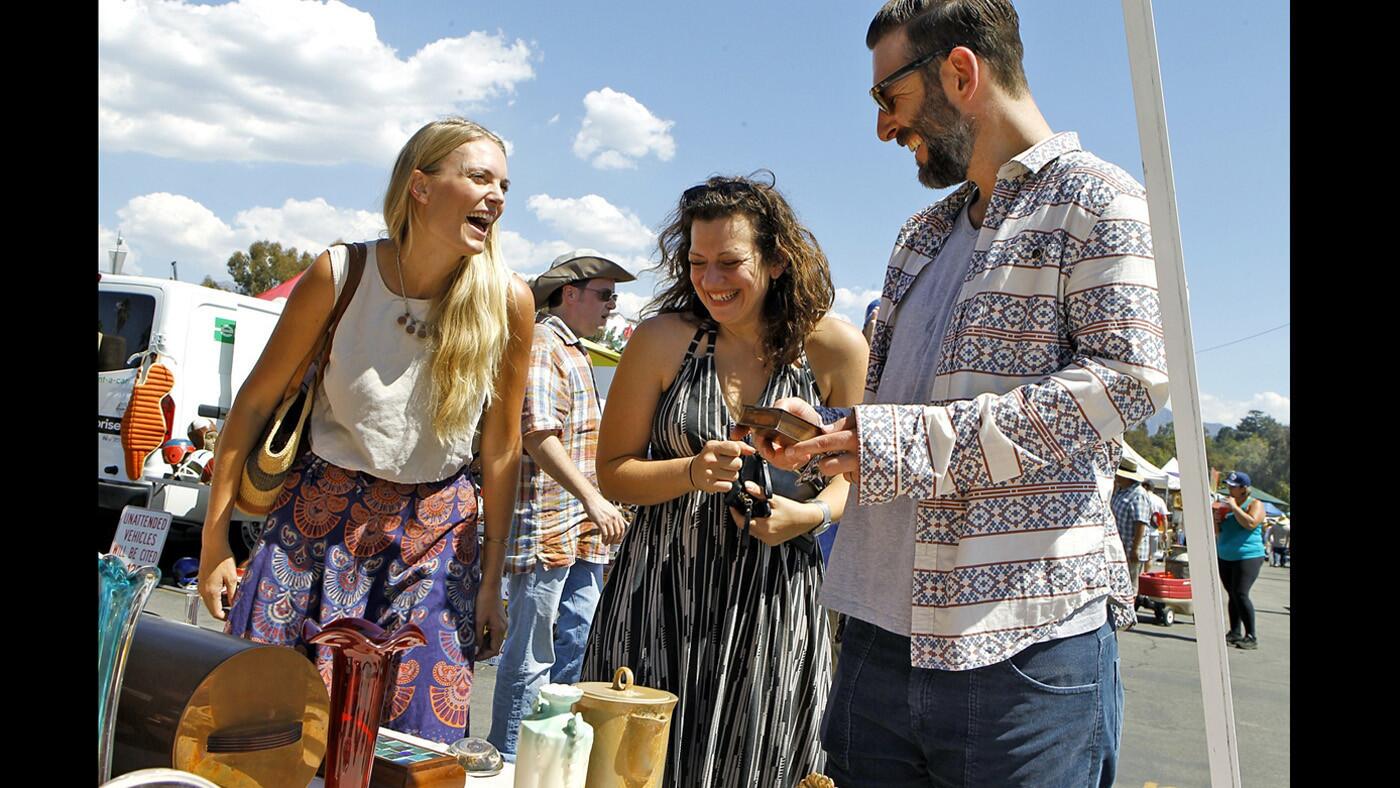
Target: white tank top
[(374, 409)]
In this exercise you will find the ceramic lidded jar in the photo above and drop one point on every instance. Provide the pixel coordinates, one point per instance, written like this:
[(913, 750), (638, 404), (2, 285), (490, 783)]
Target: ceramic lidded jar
[(554, 742), (631, 728)]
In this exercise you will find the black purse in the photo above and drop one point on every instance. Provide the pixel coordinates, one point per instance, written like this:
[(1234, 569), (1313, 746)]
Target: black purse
[(772, 481)]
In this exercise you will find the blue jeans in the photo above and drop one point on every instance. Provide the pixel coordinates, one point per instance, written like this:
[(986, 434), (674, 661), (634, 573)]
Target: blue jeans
[(549, 613), (1051, 715)]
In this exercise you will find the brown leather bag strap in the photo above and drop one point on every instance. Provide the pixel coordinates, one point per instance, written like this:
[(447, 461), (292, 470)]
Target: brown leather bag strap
[(353, 273)]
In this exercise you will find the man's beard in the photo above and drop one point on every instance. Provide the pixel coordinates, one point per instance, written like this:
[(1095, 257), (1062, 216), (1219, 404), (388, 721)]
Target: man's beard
[(947, 137)]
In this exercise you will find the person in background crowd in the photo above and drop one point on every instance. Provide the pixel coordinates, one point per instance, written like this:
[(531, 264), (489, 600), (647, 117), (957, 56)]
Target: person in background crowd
[(1132, 509), (1279, 534), (558, 541), (1019, 335), (720, 610), (1239, 546), (378, 520), (1160, 517)]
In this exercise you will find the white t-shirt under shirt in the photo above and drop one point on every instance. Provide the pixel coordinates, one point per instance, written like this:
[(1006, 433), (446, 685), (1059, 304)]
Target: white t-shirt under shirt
[(374, 410), (871, 572)]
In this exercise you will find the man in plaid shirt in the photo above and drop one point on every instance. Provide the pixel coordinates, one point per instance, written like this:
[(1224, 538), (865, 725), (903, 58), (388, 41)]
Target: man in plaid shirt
[(1132, 509), (562, 525)]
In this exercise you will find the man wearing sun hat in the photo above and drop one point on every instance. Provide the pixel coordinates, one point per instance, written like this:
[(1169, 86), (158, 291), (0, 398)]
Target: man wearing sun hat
[(1133, 510), (562, 525)]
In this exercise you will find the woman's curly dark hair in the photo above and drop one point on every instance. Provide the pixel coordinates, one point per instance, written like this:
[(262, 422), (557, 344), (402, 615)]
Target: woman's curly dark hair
[(796, 300)]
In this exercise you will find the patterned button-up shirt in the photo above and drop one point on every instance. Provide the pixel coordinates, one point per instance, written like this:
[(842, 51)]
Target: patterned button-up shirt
[(1131, 506), (550, 525), (1054, 349)]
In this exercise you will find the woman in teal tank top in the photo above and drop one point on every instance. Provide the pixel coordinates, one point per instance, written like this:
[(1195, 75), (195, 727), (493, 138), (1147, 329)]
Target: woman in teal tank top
[(1239, 547)]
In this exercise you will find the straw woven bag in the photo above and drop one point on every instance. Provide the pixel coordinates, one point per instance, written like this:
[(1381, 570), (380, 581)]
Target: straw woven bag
[(281, 441)]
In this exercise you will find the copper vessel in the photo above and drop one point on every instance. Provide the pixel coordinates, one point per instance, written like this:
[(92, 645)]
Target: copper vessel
[(631, 730), (232, 711)]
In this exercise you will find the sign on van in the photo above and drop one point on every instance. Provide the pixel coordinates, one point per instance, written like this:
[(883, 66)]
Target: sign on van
[(141, 534), (224, 330)]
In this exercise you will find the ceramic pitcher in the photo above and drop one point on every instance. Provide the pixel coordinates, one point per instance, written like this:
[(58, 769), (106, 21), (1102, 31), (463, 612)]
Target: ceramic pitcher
[(554, 742), (632, 727)]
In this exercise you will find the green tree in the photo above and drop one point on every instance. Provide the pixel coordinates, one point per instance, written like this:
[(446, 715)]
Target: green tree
[(266, 265), (210, 283), (1260, 446)]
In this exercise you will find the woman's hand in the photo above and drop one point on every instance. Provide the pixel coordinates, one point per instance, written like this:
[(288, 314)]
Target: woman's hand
[(717, 465), (490, 621), (789, 518), (218, 577)]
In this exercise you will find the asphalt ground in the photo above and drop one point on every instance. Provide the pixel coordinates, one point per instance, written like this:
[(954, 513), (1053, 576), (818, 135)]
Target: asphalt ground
[(1164, 739)]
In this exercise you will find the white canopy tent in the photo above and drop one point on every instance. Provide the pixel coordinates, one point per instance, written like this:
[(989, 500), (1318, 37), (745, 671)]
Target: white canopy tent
[(1151, 472), (1173, 472)]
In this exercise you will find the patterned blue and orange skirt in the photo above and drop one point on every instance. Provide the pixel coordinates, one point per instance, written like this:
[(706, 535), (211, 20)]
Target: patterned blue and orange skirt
[(345, 543)]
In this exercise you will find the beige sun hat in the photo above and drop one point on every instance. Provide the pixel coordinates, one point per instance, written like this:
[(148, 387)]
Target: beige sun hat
[(1128, 469)]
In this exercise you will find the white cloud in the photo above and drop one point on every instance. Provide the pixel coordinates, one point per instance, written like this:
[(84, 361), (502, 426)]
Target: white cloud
[(528, 258), (553, 120), (273, 80), (161, 227), (617, 130), (308, 225), (851, 302), (183, 229), (1218, 410), (631, 297), (593, 221)]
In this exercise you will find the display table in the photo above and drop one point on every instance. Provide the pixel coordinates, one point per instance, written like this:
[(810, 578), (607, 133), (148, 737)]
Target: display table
[(503, 779)]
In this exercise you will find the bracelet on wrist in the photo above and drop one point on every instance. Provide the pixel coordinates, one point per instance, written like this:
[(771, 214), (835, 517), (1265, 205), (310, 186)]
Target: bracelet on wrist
[(689, 476), (826, 517)]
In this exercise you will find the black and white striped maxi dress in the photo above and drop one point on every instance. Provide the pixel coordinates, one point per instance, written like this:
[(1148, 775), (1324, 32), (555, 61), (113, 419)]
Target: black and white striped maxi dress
[(697, 607)]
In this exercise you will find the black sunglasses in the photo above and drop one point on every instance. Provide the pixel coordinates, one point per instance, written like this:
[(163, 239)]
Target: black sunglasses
[(726, 186), (606, 294), (878, 91)]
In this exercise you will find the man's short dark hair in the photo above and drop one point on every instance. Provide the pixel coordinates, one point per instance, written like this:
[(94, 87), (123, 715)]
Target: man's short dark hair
[(557, 297), (990, 28)]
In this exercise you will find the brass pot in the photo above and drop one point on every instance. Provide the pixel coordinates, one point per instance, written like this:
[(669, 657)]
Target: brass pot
[(631, 729)]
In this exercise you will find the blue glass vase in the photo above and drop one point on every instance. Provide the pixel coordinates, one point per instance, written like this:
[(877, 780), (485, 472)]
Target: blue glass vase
[(122, 590)]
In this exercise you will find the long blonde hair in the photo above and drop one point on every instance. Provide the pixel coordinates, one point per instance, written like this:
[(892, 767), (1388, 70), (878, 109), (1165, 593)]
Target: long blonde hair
[(471, 324)]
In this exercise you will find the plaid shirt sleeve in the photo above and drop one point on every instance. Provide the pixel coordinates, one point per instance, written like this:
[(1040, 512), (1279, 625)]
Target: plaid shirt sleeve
[(547, 395), (1114, 379)]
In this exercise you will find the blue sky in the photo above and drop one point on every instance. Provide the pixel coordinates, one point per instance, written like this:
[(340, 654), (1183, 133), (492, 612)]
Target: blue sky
[(223, 123)]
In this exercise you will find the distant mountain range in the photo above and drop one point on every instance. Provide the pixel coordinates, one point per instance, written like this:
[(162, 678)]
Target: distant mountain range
[(1164, 416)]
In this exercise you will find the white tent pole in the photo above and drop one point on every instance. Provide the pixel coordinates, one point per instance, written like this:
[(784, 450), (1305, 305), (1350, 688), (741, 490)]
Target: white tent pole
[(1221, 743)]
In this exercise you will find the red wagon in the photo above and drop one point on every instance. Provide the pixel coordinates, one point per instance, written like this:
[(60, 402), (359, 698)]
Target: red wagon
[(1165, 595)]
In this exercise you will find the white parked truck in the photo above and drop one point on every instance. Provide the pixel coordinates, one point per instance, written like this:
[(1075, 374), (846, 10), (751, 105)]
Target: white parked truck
[(209, 339)]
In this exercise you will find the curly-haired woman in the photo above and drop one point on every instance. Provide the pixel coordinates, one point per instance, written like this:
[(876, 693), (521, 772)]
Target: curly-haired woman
[(722, 612), (379, 519)]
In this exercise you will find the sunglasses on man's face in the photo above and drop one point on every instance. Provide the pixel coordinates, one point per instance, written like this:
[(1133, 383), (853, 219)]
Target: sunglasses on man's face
[(878, 91), (606, 294)]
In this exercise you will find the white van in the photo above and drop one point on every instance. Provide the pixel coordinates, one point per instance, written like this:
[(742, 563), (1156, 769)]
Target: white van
[(209, 339)]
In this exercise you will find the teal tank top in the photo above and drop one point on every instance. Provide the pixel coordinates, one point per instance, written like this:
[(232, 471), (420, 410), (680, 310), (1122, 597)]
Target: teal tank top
[(1235, 542)]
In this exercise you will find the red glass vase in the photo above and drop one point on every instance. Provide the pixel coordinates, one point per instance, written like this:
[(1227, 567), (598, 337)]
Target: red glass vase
[(364, 661)]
